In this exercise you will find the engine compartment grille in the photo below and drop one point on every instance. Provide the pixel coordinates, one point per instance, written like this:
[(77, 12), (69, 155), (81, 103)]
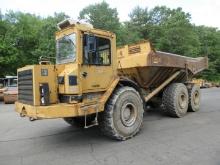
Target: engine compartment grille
[(25, 86)]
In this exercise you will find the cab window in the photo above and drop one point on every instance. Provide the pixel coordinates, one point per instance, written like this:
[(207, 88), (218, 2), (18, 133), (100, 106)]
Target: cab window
[(96, 50)]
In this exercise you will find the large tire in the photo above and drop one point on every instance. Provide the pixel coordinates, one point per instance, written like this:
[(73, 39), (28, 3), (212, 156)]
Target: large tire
[(175, 100), (123, 115), (194, 98), (79, 121)]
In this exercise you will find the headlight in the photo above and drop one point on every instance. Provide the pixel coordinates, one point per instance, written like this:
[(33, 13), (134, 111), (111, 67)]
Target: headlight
[(44, 94)]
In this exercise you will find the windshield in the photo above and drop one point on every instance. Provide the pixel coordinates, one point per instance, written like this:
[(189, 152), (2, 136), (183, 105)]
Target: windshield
[(66, 49)]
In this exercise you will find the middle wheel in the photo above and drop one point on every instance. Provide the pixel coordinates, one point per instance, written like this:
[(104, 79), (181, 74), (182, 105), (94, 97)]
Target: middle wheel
[(176, 99)]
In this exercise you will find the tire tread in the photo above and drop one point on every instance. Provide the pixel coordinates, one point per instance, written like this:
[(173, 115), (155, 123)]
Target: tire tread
[(169, 99)]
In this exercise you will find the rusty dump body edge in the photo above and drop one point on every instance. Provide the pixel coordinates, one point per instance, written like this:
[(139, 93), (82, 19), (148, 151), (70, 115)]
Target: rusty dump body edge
[(150, 68), (164, 59)]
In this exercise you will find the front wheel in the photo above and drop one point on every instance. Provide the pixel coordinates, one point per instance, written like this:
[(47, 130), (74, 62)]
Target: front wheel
[(123, 115)]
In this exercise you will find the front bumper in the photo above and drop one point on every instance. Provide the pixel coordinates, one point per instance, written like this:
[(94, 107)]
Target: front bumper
[(60, 110)]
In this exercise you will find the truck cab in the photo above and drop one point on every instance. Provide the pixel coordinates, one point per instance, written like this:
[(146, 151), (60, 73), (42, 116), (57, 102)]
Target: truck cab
[(85, 69), (84, 58)]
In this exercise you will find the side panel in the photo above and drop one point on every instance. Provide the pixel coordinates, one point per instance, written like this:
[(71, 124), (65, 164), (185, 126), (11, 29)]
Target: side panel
[(98, 78), (40, 77)]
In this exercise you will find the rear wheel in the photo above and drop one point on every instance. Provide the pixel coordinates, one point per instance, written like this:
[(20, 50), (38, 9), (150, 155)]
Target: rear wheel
[(123, 115), (175, 100), (194, 98)]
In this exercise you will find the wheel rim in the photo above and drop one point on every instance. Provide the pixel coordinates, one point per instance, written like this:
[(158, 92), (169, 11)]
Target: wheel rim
[(196, 99), (128, 114), (182, 100)]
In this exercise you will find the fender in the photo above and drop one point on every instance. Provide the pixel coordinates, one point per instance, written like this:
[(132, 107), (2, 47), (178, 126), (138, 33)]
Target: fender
[(118, 82), (128, 82)]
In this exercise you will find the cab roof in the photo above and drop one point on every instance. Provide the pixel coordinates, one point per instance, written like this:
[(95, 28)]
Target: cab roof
[(81, 25)]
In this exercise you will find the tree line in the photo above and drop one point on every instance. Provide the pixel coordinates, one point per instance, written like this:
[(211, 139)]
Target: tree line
[(25, 37)]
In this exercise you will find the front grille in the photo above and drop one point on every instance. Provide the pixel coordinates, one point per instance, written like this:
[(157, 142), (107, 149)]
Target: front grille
[(25, 87)]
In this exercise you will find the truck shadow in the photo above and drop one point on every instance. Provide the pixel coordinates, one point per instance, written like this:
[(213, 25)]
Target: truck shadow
[(152, 114), (73, 136)]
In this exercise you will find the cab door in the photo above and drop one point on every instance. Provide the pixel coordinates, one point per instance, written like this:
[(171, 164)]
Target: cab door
[(96, 69)]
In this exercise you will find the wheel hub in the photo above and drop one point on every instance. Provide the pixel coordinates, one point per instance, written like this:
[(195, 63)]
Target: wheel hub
[(128, 114), (196, 98), (182, 101)]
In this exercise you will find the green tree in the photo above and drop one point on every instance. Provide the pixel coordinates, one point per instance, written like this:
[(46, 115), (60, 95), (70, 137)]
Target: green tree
[(169, 30), (210, 40), (101, 16)]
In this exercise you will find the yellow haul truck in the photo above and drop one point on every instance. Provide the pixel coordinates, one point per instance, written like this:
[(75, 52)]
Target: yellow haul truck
[(95, 83)]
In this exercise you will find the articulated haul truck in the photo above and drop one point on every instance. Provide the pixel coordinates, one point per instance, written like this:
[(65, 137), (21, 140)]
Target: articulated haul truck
[(95, 83)]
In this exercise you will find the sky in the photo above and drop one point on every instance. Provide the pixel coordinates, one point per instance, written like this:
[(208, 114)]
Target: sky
[(203, 12)]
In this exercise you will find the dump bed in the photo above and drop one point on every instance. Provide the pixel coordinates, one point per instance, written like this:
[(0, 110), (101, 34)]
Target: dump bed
[(149, 68)]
